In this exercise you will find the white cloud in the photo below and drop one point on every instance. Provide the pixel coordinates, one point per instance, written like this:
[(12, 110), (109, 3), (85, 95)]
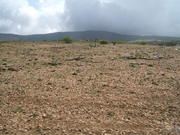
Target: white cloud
[(23, 18)]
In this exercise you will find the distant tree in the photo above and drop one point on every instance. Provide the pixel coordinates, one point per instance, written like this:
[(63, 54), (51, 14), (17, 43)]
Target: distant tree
[(67, 40)]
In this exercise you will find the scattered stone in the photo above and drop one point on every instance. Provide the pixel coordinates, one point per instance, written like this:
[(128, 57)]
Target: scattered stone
[(4, 64), (3, 130), (39, 79), (135, 64), (177, 49), (154, 83), (92, 45), (49, 83), (82, 64), (74, 73), (173, 129), (150, 65), (100, 90), (53, 63), (158, 57), (110, 114), (134, 57), (74, 58), (131, 58), (2, 69)]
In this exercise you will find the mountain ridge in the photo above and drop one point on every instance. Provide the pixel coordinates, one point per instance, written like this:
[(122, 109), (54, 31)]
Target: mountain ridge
[(82, 35)]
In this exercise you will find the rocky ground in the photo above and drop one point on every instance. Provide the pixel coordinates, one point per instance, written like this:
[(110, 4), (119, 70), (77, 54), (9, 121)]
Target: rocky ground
[(87, 89)]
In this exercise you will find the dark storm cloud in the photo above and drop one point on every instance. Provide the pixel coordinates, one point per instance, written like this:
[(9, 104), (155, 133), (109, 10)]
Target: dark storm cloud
[(156, 17)]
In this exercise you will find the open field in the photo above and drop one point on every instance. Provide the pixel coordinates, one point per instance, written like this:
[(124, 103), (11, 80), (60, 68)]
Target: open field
[(83, 89)]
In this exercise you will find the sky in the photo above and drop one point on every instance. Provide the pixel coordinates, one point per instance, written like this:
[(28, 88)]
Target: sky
[(133, 17)]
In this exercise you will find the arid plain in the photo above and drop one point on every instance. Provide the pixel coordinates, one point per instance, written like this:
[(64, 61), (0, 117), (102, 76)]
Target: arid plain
[(52, 88)]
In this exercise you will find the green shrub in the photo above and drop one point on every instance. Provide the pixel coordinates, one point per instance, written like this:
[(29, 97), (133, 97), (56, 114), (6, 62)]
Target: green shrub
[(103, 41), (168, 43), (171, 43), (141, 42), (2, 42), (67, 40)]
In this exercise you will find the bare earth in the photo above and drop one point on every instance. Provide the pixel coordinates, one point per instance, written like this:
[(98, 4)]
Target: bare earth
[(83, 89)]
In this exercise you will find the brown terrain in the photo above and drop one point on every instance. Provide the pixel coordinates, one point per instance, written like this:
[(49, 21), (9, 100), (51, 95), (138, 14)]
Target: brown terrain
[(53, 88)]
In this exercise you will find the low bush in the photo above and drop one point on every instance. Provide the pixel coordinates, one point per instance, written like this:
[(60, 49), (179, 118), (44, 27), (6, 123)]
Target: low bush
[(67, 40), (171, 43), (141, 42), (119, 42), (103, 41)]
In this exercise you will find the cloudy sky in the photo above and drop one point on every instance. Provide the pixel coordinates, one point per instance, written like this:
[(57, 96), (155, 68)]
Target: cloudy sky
[(143, 17)]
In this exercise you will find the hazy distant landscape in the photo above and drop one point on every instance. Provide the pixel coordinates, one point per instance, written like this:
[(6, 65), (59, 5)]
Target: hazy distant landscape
[(83, 35)]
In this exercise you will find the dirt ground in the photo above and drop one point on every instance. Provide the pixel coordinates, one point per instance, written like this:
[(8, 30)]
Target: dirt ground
[(87, 89)]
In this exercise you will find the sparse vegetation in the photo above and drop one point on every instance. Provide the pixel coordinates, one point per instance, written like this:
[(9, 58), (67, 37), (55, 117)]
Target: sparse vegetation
[(51, 88), (1, 42), (120, 42), (157, 42), (117, 42), (18, 110), (141, 42)]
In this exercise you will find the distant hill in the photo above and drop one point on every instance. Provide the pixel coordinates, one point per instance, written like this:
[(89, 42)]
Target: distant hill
[(84, 35)]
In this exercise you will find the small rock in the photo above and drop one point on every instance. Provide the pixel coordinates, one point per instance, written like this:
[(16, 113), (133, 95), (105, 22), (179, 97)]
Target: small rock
[(74, 58), (49, 83), (135, 64), (131, 58), (82, 64), (53, 63), (12, 69), (39, 79), (74, 73), (2, 69), (150, 65), (158, 57)]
